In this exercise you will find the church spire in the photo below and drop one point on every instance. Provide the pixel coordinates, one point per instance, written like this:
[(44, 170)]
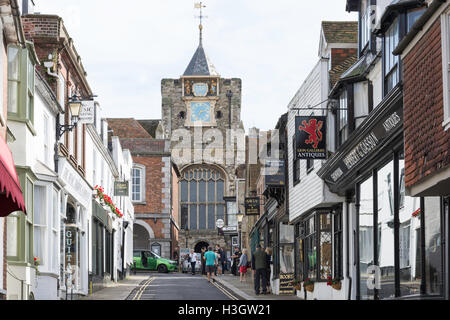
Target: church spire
[(200, 64)]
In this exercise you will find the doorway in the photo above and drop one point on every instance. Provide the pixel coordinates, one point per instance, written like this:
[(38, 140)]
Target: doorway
[(200, 245)]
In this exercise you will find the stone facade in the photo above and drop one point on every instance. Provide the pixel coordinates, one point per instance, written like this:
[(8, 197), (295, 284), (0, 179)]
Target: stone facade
[(176, 114)]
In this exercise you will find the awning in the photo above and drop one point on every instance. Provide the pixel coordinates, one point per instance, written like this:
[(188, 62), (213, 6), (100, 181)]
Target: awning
[(11, 196)]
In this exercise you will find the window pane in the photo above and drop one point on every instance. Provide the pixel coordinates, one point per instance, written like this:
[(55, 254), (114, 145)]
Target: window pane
[(220, 212), (193, 191), (325, 254), (193, 217), (13, 63), (202, 217), (12, 96), (184, 191), (287, 258), (202, 191), (220, 191), (366, 236), (433, 249), (11, 236), (386, 230), (310, 257), (211, 191), (211, 218), (184, 216)]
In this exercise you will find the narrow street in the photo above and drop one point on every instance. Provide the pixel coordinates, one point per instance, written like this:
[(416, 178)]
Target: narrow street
[(179, 287)]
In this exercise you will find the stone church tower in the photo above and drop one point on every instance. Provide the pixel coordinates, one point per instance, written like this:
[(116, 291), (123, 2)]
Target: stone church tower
[(198, 103)]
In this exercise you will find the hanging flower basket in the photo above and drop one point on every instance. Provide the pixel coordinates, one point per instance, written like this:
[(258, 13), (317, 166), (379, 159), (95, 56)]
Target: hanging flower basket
[(107, 201), (336, 283), (308, 285), (37, 261), (416, 214)]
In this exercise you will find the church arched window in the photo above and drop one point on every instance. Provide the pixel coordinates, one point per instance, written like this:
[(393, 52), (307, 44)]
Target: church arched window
[(201, 191)]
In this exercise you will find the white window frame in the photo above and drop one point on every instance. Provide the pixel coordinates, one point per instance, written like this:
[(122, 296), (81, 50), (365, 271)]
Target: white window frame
[(142, 191), (445, 34), (46, 139)]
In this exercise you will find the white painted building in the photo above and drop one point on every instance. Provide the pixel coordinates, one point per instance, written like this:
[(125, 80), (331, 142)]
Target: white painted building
[(316, 213)]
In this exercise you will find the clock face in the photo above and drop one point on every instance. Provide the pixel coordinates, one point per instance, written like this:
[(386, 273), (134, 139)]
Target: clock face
[(201, 112)]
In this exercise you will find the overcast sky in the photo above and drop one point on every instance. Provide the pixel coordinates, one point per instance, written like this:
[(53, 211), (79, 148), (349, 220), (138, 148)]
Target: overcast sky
[(127, 47)]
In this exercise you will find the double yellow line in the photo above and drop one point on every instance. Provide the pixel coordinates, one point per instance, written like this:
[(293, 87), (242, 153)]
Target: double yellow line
[(141, 290), (225, 292)]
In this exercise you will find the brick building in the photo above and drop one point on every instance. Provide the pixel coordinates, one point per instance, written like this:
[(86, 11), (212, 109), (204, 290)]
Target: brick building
[(425, 53), (154, 185)]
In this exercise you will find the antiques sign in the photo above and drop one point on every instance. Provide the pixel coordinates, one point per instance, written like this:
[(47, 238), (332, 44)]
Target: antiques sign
[(121, 189), (310, 137), (252, 206), (366, 146), (286, 285)]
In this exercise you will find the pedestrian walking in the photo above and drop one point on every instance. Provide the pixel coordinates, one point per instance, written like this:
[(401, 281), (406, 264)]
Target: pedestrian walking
[(203, 261), (210, 261), (259, 270), (243, 265), (235, 261), (193, 261), (217, 270), (268, 268)]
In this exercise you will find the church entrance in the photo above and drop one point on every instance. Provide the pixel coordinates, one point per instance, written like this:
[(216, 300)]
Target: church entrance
[(200, 245)]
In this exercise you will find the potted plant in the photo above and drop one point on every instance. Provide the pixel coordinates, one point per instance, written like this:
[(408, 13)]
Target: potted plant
[(297, 285), (335, 283), (308, 285)]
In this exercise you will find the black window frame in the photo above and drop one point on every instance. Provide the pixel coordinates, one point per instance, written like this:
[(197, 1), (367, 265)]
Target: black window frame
[(338, 244), (296, 166)]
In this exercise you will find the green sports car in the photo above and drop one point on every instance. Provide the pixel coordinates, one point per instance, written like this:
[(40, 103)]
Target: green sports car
[(148, 260)]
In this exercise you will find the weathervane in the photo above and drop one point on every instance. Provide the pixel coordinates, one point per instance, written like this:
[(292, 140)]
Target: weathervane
[(199, 5)]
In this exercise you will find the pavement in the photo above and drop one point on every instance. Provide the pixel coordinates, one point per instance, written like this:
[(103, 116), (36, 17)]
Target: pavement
[(120, 290), (245, 290)]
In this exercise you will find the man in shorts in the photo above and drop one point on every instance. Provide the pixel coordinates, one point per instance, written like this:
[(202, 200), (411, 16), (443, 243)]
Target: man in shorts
[(210, 258)]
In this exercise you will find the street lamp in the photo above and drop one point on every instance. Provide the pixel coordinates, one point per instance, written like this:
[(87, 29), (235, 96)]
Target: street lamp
[(75, 108)]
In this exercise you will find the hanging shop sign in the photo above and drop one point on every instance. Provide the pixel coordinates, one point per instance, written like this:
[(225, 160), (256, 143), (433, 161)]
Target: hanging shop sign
[(121, 188), (310, 137), (274, 173), (366, 146), (87, 113), (286, 284), (252, 206)]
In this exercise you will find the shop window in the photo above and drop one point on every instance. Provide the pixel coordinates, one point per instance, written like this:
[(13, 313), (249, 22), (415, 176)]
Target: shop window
[(338, 245), (386, 254), (286, 254), (433, 246), (310, 247), (138, 183), (366, 244), (391, 62), (202, 191)]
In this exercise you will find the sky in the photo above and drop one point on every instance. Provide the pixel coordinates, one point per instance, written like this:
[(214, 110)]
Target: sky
[(128, 47)]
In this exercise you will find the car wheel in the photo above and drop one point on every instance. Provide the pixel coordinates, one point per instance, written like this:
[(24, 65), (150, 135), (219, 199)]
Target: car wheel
[(162, 268)]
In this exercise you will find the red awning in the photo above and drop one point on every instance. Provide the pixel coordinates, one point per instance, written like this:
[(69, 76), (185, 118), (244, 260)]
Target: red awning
[(11, 196)]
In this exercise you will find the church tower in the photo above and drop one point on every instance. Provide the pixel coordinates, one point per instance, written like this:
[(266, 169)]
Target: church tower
[(199, 102)]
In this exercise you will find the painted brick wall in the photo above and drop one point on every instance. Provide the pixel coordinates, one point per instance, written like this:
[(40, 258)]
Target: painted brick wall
[(427, 145)]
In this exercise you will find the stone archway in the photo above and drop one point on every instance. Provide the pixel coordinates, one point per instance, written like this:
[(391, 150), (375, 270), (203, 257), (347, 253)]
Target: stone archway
[(142, 235), (198, 247)]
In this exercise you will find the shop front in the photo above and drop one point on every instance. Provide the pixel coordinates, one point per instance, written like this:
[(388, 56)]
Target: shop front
[(74, 232), (397, 240)]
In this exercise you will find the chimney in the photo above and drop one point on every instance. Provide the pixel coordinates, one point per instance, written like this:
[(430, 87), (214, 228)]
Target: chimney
[(27, 7)]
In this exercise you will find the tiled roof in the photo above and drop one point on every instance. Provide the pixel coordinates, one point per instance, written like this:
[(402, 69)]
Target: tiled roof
[(339, 69), (144, 146), (150, 126), (200, 64), (340, 31), (127, 128)]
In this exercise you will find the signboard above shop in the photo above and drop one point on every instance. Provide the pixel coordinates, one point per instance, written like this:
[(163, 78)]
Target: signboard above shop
[(87, 113), (274, 173), (252, 206), (310, 137), (121, 188)]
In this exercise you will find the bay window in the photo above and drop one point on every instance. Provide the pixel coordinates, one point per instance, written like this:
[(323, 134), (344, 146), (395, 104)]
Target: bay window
[(391, 62), (21, 78)]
